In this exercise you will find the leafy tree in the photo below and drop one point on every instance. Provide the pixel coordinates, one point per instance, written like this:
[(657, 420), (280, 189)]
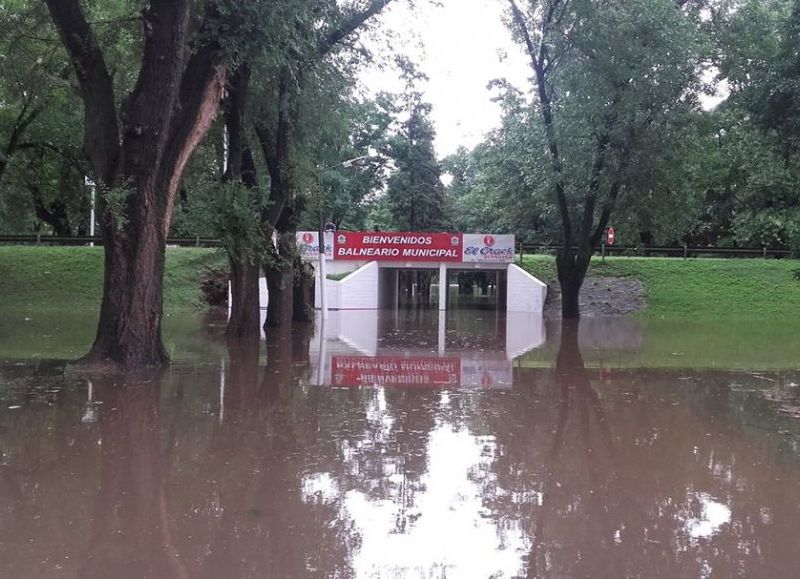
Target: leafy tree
[(321, 32), (138, 147), (41, 162), (606, 77), (415, 194)]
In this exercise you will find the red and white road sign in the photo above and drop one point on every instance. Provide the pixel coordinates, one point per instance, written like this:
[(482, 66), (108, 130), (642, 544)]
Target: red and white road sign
[(612, 236)]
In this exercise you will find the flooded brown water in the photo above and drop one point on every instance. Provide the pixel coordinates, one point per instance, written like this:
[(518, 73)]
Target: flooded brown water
[(405, 444)]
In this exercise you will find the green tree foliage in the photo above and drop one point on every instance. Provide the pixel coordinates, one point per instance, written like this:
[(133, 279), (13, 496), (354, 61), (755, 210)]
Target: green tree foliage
[(41, 161), (415, 194)]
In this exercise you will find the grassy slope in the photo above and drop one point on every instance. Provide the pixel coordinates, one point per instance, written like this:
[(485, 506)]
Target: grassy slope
[(55, 278), (705, 313), (708, 288)]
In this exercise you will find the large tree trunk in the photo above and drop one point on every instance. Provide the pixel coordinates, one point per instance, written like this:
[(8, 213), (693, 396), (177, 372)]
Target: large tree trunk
[(280, 282), (129, 330), (245, 262), (572, 266), (304, 291), (138, 166), (245, 306)]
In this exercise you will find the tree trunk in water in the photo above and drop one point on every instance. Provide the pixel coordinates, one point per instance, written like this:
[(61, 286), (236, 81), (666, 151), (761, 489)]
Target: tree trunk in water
[(280, 282), (129, 330), (245, 303), (138, 152), (304, 295), (245, 306), (572, 266)]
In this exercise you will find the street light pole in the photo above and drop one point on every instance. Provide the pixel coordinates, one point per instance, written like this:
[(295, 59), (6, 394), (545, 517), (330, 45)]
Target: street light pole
[(323, 258), (323, 272)]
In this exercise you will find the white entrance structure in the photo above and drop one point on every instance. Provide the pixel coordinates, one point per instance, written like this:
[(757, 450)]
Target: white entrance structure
[(363, 268)]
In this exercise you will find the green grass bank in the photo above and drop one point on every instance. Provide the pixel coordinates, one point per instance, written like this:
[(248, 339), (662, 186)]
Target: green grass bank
[(37, 279), (705, 288)]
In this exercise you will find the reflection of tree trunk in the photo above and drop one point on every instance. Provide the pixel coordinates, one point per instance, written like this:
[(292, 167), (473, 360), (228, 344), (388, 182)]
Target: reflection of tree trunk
[(130, 534), (576, 396), (227, 446)]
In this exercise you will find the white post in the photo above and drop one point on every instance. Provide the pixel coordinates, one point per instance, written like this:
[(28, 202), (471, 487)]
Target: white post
[(323, 354), (443, 288), (222, 391), (323, 276), (442, 332), (89, 183)]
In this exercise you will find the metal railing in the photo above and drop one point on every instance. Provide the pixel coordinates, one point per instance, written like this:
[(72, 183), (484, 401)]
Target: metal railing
[(56, 240), (684, 252)]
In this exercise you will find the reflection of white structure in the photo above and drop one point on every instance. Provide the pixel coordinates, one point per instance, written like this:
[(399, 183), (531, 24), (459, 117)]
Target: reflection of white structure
[(348, 350)]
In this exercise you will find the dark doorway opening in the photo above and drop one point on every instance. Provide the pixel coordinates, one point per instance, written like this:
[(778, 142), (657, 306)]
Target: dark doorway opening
[(477, 289)]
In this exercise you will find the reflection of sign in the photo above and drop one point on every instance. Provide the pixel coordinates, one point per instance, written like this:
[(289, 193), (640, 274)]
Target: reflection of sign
[(395, 371), (486, 373), (308, 244), (361, 246), (489, 248)]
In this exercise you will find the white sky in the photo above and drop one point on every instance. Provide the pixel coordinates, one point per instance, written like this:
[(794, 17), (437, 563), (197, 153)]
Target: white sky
[(461, 46)]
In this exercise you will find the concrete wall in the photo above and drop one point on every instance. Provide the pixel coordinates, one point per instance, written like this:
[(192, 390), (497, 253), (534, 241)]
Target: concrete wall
[(359, 290), (370, 287), (525, 292)]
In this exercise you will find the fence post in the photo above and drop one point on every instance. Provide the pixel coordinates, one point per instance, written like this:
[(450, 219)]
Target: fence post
[(685, 251), (197, 241), (521, 253), (38, 238), (765, 253)]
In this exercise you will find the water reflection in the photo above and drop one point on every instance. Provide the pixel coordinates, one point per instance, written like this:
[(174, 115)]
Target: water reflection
[(249, 468)]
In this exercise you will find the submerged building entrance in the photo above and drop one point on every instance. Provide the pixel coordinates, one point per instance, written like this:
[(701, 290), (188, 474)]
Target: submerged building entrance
[(370, 271)]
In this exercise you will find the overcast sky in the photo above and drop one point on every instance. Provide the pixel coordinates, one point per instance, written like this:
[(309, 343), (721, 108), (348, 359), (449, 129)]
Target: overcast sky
[(461, 46)]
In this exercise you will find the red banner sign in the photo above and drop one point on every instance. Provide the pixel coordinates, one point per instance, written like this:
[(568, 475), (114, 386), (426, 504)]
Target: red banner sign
[(395, 371), (364, 246)]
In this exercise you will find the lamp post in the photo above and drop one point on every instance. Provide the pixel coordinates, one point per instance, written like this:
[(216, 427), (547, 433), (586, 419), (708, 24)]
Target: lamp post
[(323, 267)]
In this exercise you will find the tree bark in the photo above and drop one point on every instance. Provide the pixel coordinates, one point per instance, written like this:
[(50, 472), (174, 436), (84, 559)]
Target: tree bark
[(303, 292), (572, 265), (280, 272)]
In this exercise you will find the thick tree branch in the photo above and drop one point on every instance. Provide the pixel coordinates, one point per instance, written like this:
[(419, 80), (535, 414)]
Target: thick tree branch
[(101, 130), (598, 166), (546, 110), (149, 110), (202, 87), (353, 23)]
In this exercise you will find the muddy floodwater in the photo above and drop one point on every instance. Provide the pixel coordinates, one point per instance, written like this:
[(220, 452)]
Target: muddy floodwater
[(406, 444)]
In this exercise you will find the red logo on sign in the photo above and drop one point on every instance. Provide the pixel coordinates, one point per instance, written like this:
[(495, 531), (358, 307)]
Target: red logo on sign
[(308, 238), (488, 241), (612, 236)]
